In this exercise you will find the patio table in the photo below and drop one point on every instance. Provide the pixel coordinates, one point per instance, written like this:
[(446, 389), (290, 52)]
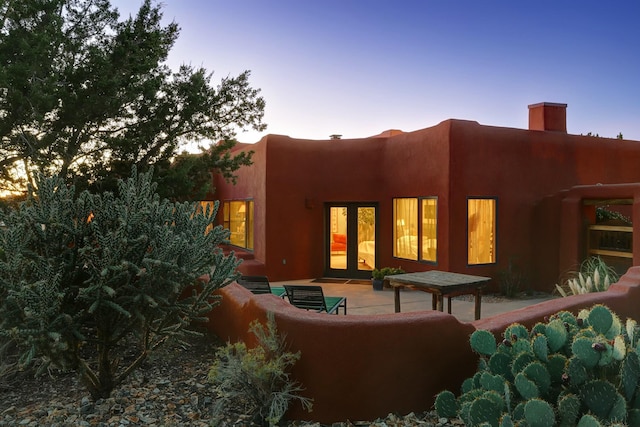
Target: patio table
[(440, 284)]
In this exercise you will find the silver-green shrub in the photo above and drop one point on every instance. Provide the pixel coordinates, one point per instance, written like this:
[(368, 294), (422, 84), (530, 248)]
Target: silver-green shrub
[(257, 378), (594, 276), (95, 282)]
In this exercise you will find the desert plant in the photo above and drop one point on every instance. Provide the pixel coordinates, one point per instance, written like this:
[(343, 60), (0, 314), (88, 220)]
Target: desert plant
[(257, 376), (380, 274), (594, 276), (570, 370), (8, 363), (95, 283), (512, 280)]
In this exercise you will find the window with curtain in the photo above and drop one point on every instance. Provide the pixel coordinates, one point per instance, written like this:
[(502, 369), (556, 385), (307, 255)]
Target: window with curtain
[(238, 219), (429, 234), (481, 235), (415, 228), (405, 231)]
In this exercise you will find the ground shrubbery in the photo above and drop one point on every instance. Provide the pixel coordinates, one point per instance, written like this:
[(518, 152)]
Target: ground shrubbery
[(257, 379), (94, 283)]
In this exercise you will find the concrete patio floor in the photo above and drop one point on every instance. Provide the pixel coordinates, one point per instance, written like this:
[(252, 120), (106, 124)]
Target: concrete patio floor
[(362, 299)]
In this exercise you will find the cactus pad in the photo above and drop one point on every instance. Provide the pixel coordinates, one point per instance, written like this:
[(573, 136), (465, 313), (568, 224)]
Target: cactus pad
[(630, 328), (506, 421), (540, 347), (600, 319), (539, 413), (568, 409), (484, 410), (589, 421), (518, 330), (492, 382), (619, 348), (556, 334), (483, 342), (446, 405), (577, 372), (599, 396), (555, 366), (583, 349), (521, 362), (499, 364), (538, 373), (630, 373), (526, 387)]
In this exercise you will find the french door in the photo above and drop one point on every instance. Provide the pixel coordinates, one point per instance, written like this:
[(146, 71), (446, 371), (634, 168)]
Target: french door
[(351, 240)]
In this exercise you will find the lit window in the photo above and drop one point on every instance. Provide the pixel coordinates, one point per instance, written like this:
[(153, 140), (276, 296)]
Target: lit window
[(481, 231), (429, 235), (415, 239), (405, 231), (238, 219)]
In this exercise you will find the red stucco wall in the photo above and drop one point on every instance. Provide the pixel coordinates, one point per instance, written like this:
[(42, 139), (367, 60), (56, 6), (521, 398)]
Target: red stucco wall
[(364, 367), (526, 170)]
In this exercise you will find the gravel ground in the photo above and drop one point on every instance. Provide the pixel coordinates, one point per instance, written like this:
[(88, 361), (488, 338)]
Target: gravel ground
[(169, 390)]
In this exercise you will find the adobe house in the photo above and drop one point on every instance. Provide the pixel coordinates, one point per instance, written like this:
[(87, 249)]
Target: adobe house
[(458, 196)]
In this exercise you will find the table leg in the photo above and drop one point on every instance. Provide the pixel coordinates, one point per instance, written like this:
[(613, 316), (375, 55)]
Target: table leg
[(478, 302), (434, 301), (396, 293), (449, 305), (440, 302)]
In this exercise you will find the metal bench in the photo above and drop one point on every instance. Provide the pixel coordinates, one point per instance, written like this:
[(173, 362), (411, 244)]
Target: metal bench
[(310, 297), (260, 285)]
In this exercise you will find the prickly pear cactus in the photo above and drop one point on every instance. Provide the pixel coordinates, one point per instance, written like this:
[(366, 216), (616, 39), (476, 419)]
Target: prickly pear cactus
[(539, 413), (570, 370), (446, 404), (483, 342)]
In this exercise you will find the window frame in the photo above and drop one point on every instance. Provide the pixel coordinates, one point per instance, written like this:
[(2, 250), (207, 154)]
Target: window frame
[(248, 222), (420, 257), (495, 231)]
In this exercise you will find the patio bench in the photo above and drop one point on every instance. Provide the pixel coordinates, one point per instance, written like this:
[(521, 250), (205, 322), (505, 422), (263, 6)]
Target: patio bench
[(311, 297), (260, 285)]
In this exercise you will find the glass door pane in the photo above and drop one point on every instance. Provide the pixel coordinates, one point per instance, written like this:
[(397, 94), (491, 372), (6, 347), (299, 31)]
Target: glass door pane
[(366, 238), (338, 250), (351, 240)]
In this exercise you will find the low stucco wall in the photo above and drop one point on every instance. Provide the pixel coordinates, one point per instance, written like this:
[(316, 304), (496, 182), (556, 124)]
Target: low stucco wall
[(364, 367)]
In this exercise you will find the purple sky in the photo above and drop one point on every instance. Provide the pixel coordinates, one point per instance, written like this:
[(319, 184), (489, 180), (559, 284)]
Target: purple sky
[(359, 67)]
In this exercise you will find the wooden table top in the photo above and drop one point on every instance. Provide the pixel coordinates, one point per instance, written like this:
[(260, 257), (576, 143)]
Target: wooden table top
[(441, 280)]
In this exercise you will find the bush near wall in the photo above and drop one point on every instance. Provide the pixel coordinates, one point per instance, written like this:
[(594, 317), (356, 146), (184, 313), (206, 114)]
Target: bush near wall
[(95, 282)]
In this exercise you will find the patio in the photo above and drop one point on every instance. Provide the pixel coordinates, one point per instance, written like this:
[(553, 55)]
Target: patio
[(362, 300)]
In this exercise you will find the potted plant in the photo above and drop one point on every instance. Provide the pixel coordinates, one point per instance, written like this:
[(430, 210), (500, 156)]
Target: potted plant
[(378, 275)]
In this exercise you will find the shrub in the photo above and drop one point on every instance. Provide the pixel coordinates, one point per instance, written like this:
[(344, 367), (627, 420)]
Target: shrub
[(380, 274), (257, 376), (8, 364), (95, 283), (512, 280), (594, 276), (563, 372)]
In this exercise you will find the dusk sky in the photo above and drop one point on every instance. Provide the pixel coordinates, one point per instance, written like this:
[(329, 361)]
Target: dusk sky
[(359, 67)]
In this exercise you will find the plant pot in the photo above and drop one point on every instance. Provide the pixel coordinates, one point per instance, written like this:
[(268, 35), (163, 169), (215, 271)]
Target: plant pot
[(378, 284)]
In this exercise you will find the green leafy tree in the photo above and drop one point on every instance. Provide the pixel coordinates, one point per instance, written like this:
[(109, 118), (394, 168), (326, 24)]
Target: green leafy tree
[(95, 283), (85, 96)]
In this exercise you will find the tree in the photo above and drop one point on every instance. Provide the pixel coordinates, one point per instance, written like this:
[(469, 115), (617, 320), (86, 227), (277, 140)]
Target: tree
[(95, 283), (85, 96)]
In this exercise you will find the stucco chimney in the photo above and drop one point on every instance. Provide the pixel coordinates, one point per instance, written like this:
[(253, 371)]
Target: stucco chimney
[(548, 116)]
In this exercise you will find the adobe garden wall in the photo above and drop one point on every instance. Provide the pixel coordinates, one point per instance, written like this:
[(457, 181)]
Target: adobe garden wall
[(364, 367)]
